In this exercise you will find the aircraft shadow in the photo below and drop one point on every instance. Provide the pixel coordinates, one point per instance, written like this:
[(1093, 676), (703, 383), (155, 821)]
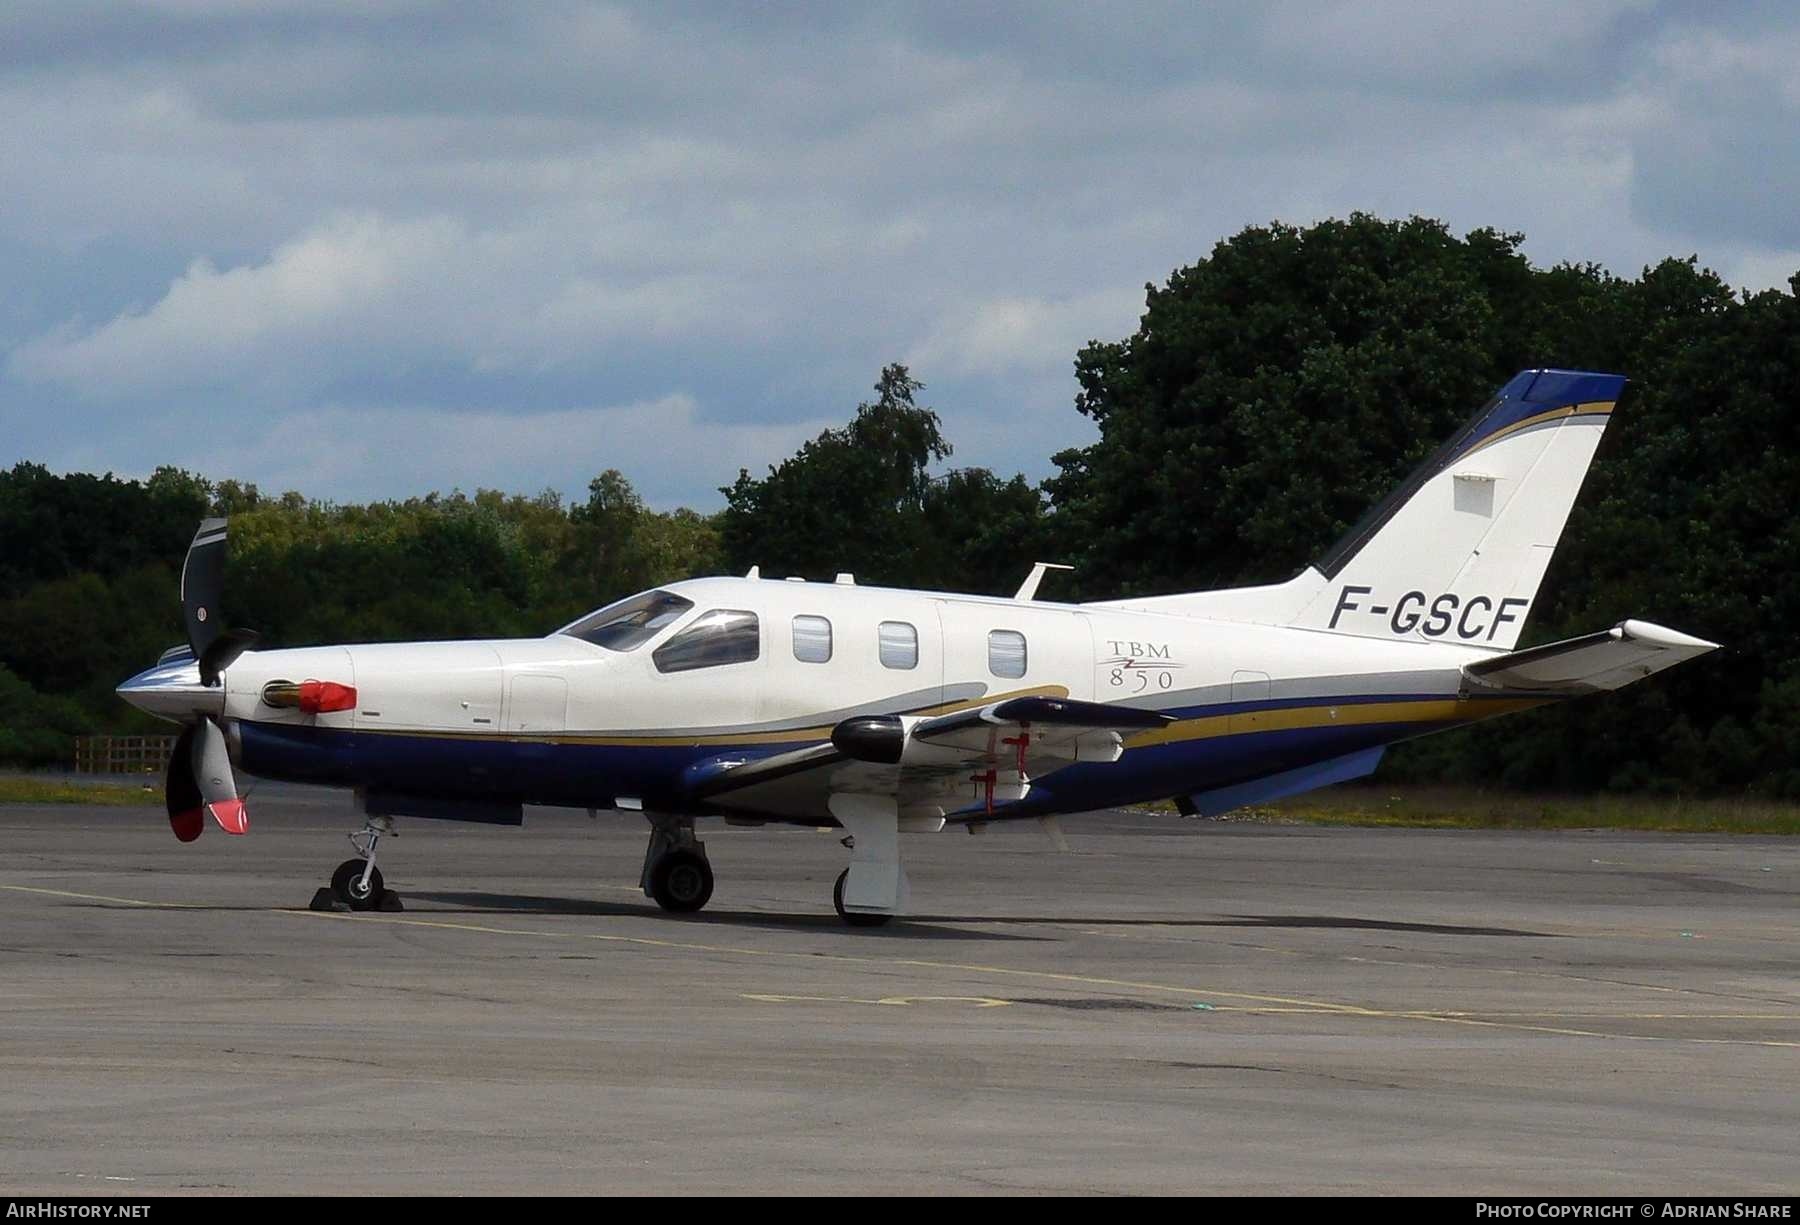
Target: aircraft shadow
[(1339, 922), (913, 926)]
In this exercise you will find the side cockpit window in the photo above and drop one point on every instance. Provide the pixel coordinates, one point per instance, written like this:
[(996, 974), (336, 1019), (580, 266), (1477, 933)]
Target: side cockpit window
[(629, 624), (721, 636)]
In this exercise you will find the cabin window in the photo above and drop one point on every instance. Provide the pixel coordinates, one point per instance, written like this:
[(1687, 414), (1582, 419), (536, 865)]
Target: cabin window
[(631, 623), (899, 645), (718, 636), (812, 640), (1006, 653)]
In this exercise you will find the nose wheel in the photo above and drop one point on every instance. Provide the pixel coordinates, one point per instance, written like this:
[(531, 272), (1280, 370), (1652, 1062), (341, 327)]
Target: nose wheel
[(357, 883)]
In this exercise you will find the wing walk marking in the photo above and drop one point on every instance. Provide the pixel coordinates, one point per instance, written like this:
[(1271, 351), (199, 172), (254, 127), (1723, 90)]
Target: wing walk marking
[(889, 963)]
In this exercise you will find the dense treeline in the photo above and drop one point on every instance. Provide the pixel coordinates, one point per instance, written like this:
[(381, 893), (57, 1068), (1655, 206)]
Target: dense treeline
[(1277, 389), (1273, 391)]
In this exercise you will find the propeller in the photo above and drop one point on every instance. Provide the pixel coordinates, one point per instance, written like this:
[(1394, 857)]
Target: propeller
[(199, 780), (202, 581)]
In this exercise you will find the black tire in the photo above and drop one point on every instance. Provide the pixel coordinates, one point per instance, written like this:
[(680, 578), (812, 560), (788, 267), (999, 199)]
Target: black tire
[(346, 885), (681, 881), (853, 918)]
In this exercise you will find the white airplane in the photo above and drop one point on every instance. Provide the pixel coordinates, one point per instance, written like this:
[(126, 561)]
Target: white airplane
[(887, 711)]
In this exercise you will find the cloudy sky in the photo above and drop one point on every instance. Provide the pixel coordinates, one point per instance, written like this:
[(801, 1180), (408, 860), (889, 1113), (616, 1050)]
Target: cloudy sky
[(380, 247)]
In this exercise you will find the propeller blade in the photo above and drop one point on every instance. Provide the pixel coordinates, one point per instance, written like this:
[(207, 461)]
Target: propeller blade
[(212, 771), (181, 792), (223, 652), (202, 581)]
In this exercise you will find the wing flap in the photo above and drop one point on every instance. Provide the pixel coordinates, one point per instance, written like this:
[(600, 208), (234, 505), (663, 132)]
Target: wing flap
[(1610, 659)]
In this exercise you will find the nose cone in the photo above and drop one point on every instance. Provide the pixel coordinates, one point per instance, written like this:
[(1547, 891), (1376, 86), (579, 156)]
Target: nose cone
[(172, 690)]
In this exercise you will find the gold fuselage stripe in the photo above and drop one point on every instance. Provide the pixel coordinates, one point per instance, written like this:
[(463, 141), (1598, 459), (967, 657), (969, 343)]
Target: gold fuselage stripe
[(1599, 408), (1349, 714), (1324, 713)]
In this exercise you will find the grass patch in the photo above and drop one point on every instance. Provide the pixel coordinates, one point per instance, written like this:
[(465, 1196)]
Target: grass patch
[(1457, 808), (125, 793)]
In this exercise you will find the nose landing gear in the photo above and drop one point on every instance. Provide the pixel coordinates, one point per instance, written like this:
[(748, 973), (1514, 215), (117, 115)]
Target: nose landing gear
[(357, 884)]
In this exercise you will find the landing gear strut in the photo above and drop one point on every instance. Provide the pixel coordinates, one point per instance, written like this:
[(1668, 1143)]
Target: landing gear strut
[(676, 872), (873, 889), (357, 883)]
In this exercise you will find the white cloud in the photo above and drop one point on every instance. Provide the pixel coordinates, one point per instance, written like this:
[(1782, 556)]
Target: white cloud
[(363, 294), (217, 326), (531, 209), (663, 446), (1762, 270), (1005, 335)]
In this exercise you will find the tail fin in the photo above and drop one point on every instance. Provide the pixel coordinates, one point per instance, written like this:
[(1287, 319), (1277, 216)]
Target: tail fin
[(1457, 552)]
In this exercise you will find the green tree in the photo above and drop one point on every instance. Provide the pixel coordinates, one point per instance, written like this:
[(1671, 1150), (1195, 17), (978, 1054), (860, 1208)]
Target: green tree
[(848, 500), (1277, 389)]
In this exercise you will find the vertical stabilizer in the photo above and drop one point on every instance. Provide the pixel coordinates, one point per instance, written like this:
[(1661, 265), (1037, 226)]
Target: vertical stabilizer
[(1456, 553)]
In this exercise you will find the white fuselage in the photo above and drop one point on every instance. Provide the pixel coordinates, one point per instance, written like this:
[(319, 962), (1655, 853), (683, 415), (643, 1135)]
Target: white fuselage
[(561, 720)]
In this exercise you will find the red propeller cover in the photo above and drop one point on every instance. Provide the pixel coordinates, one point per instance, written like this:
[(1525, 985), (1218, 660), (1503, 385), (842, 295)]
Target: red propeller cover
[(231, 815)]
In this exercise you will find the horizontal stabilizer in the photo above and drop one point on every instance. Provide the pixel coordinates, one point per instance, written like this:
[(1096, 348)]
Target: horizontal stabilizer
[(1610, 659)]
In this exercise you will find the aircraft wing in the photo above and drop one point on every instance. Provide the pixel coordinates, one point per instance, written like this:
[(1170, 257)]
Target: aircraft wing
[(1610, 659), (983, 758)]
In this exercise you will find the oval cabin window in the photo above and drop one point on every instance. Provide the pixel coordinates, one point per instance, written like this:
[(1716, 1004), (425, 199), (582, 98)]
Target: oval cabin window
[(812, 640), (1006, 653), (899, 645)]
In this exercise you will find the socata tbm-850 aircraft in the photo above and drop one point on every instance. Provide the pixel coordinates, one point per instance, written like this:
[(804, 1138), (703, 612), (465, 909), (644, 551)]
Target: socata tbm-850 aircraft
[(883, 711)]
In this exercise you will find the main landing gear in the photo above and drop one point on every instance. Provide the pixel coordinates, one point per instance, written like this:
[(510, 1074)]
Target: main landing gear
[(855, 918), (869, 893), (357, 883), (676, 871), (873, 889)]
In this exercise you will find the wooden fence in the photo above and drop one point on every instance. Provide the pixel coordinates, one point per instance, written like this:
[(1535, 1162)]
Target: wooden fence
[(122, 754)]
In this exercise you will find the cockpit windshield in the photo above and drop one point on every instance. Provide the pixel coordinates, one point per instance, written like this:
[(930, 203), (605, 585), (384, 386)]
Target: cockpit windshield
[(629, 624)]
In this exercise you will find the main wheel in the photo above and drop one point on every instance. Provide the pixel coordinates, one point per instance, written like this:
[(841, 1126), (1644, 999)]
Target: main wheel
[(681, 881), (855, 918), (347, 885)]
